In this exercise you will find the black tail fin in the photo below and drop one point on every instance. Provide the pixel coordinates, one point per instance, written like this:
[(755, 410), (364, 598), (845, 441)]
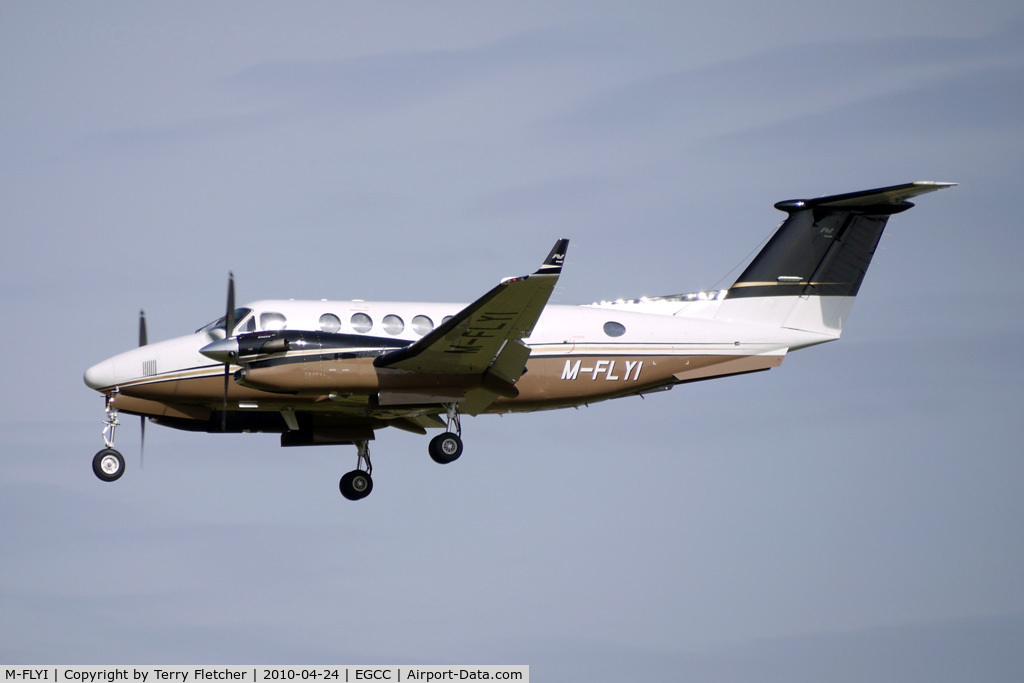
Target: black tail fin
[(822, 249)]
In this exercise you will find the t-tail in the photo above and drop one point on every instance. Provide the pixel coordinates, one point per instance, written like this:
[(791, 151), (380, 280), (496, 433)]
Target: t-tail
[(808, 274)]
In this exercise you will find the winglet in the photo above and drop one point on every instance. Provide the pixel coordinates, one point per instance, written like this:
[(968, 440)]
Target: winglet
[(553, 263)]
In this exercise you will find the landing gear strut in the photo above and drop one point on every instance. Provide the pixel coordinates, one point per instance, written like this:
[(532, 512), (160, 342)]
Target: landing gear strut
[(447, 447), (108, 464), (444, 448), (358, 483)]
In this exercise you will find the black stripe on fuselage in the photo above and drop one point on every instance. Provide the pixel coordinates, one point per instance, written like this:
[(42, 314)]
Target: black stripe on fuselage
[(298, 340)]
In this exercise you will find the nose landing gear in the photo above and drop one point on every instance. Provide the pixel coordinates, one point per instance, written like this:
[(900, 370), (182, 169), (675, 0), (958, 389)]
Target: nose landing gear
[(108, 464)]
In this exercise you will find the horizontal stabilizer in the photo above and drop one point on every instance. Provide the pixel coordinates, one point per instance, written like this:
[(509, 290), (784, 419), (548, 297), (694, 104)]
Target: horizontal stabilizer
[(878, 199)]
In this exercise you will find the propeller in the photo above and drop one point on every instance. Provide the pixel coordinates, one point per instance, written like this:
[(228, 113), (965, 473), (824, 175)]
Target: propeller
[(229, 325), (143, 340)]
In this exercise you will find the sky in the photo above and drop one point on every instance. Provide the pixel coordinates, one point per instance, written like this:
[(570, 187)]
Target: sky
[(856, 514)]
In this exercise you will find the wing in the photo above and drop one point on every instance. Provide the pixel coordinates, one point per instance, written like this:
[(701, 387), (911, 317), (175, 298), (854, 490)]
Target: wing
[(484, 340)]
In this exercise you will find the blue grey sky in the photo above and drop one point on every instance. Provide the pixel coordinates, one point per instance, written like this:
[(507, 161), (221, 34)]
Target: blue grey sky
[(856, 514)]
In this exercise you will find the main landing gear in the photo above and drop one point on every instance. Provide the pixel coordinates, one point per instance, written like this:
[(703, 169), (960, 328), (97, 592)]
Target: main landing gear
[(108, 464), (447, 446), (444, 448), (358, 483)]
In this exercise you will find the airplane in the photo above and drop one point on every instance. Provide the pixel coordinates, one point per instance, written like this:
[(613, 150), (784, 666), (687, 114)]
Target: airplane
[(336, 372)]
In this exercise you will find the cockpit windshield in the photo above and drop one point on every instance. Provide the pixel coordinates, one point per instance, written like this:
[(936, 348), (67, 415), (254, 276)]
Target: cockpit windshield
[(216, 328)]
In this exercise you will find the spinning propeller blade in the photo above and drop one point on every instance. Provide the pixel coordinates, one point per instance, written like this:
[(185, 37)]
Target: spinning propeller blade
[(143, 340), (229, 325), (229, 322)]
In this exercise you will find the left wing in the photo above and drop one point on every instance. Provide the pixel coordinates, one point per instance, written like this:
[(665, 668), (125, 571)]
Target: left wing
[(485, 338)]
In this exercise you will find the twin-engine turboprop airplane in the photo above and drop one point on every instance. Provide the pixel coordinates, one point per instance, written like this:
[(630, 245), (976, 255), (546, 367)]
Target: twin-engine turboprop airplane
[(334, 372)]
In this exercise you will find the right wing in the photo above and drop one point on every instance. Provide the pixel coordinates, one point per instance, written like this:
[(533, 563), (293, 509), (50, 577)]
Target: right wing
[(485, 338)]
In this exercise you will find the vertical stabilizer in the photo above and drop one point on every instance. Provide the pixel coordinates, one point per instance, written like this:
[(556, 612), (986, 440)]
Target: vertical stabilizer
[(808, 274)]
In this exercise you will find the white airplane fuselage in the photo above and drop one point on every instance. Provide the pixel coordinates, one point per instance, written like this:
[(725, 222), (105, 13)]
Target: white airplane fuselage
[(335, 372), (573, 359)]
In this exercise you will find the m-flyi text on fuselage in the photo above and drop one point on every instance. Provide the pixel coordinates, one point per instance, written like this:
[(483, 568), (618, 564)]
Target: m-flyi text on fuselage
[(335, 372)]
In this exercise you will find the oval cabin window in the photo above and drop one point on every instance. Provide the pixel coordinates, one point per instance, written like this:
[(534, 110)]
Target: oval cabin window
[(330, 323), (421, 325), (361, 323), (393, 324), (614, 329)]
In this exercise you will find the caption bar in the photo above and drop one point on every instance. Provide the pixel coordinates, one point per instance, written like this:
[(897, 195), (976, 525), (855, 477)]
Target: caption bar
[(264, 674)]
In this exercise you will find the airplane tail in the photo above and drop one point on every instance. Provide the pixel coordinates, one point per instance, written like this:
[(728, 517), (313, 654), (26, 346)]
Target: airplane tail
[(808, 274)]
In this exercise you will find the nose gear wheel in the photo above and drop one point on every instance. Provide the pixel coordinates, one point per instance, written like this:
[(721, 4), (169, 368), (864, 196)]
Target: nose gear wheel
[(108, 464)]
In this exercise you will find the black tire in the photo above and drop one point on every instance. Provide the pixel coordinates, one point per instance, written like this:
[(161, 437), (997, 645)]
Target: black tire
[(445, 448), (108, 465), (355, 485)]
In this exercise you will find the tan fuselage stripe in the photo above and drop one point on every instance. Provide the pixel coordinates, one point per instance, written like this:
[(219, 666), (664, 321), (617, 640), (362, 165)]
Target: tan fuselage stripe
[(548, 382)]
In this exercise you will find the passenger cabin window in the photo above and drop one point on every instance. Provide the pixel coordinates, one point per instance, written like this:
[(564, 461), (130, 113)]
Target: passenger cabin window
[(270, 321), (393, 324), (330, 323), (421, 325), (614, 329), (361, 323)]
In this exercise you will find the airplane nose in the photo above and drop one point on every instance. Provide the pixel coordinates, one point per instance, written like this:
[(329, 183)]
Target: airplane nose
[(100, 376)]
